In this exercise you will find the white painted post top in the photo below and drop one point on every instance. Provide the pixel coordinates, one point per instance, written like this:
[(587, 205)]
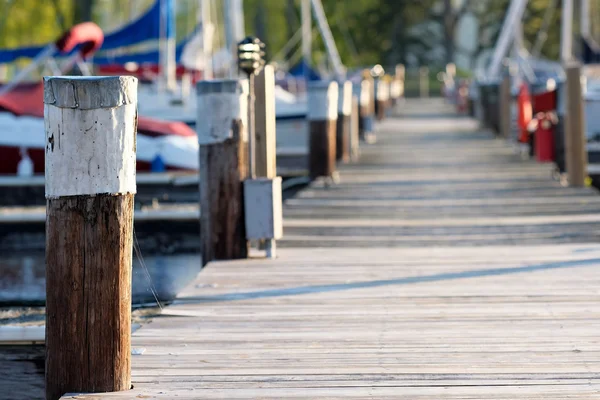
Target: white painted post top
[(90, 128), (90, 92), (395, 89), (220, 102), (322, 101), (345, 98), (364, 93), (400, 71), (383, 90)]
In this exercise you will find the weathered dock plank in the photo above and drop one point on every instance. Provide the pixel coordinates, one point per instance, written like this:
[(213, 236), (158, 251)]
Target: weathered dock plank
[(441, 267)]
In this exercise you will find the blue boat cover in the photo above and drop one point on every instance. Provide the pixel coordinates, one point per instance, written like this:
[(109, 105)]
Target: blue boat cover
[(590, 53), (146, 27), (146, 57), (304, 70)]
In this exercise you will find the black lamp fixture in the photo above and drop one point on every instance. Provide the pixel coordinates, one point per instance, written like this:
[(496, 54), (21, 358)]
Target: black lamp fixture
[(251, 55)]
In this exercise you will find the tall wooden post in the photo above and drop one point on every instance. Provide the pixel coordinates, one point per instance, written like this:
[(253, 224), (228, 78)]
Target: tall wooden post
[(322, 116), (382, 96), (400, 75), (354, 129), (343, 122), (505, 103), (575, 138), (90, 186), (363, 92), (424, 82), (221, 127), (264, 86)]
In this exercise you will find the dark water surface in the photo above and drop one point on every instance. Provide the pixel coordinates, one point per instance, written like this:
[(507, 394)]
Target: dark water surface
[(22, 279), (22, 283)]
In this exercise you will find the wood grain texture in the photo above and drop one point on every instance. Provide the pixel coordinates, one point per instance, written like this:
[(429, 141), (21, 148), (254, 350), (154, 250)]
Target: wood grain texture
[(575, 136), (380, 109), (342, 141), (223, 169), (442, 266), (364, 113), (265, 123), (322, 148), (88, 297)]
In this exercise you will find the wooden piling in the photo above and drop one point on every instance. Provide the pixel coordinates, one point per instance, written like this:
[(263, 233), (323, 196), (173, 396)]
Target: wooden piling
[(221, 128), (354, 130), (363, 92), (505, 105), (264, 85), (343, 122), (90, 186), (322, 116), (575, 138), (424, 82), (382, 96)]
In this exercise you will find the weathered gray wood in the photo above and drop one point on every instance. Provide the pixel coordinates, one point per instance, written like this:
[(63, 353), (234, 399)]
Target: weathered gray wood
[(399, 315), (223, 169), (264, 85), (343, 138), (88, 296), (90, 186), (575, 138), (354, 130), (322, 148), (505, 106), (224, 165), (322, 116)]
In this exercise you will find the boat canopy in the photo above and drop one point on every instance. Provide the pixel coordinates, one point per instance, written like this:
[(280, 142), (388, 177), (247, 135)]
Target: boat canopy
[(302, 69), (27, 100), (590, 52), (146, 27)]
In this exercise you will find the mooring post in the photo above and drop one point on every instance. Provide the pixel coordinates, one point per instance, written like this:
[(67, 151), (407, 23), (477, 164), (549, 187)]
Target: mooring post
[(322, 117), (343, 122), (90, 186), (221, 128), (264, 84), (362, 90), (382, 95), (505, 105), (354, 129), (424, 82), (575, 138)]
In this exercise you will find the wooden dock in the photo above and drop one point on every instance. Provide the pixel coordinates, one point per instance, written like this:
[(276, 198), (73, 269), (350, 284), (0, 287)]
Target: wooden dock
[(441, 267)]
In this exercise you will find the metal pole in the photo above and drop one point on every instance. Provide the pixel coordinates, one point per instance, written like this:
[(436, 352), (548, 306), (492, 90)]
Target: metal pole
[(306, 32)]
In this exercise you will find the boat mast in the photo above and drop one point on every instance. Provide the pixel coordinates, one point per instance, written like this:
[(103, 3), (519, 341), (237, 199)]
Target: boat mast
[(306, 32), (332, 51), (234, 29), (167, 59), (585, 19), (566, 34), (513, 17), (207, 30)]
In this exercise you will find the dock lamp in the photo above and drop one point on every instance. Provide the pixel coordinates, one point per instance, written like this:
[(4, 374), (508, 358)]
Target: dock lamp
[(250, 60), (262, 196)]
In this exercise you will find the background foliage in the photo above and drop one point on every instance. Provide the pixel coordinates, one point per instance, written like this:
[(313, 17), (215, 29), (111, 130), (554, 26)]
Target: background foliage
[(366, 31)]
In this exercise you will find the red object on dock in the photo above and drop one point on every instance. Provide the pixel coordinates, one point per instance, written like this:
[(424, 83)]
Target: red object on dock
[(525, 112), (544, 136)]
